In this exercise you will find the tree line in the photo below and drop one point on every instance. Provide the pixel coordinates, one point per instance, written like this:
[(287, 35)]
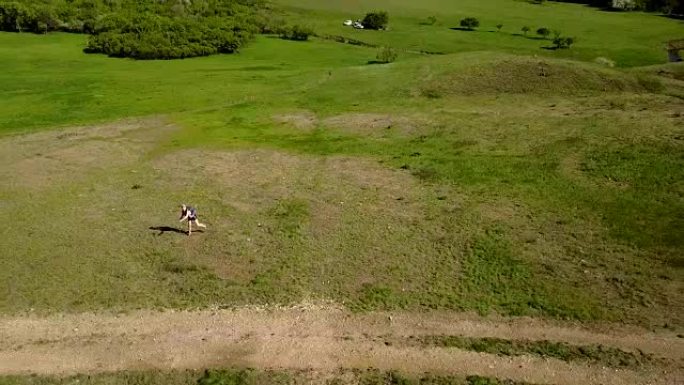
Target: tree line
[(143, 29)]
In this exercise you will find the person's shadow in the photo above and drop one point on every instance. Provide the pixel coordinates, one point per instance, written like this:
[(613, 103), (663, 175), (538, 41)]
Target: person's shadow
[(169, 229)]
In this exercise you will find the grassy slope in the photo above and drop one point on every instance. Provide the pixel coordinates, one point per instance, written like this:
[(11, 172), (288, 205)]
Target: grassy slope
[(561, 201), (54, 83), (630, 39)]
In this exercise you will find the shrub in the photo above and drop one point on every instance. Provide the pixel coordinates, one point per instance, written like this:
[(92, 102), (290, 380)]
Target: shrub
[(28, 17), (270, 24), (470, 23), (477, 380), (498, 27), (386, 55), (543, 32), (563, 42), (142, 29), (224, 377), (296, 32), (569, 41), (525, 30), (149, 36), (375, 20)]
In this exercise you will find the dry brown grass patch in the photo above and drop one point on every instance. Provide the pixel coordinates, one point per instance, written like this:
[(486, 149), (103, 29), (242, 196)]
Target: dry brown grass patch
[(256, 178), (303, 120), (45, 159), (274, 201), (377, 124)]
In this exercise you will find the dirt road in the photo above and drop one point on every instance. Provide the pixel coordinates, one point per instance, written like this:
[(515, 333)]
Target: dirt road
[(313, 337)]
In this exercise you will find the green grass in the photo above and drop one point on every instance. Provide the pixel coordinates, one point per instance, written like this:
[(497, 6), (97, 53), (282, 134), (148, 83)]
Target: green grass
[(253, 377), (54, 83), (152, 377), (629, 39), (489, 184), (597, 354)]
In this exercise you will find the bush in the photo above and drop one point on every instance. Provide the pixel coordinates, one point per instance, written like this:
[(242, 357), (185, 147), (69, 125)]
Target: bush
[(270, 24), (543, 32), (224, 377), (478, 380), (563, 42), (149, 36), (375, 20), (386, 55), (28, 17), (142, 29), (297, 33), (470, 23)]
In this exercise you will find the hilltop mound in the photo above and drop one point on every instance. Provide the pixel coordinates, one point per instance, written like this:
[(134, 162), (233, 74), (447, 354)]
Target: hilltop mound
[(525, 75), (669, 70)]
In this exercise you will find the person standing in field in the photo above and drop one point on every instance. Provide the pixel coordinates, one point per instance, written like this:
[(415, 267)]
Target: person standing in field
[(190, 214)]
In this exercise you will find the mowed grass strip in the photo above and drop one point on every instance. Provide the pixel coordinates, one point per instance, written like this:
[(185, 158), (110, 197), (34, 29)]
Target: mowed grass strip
[(256, 377), (596, 354)]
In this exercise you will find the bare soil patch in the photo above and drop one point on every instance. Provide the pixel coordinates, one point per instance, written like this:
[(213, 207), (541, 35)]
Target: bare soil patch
[(310, 337)]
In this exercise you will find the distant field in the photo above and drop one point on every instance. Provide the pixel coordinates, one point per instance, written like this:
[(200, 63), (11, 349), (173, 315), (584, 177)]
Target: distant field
[(485, 179), (629, 39), (49, 81)]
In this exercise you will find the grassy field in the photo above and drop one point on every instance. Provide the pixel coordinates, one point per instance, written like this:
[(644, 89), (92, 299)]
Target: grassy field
[(629, 39), (485, 179)]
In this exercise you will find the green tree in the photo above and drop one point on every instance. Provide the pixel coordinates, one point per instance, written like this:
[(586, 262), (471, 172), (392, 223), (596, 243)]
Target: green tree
[(376, 20), (563, 42), (498, 27), (543, 32), (525, 30), (144, 29), (470, 23)]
